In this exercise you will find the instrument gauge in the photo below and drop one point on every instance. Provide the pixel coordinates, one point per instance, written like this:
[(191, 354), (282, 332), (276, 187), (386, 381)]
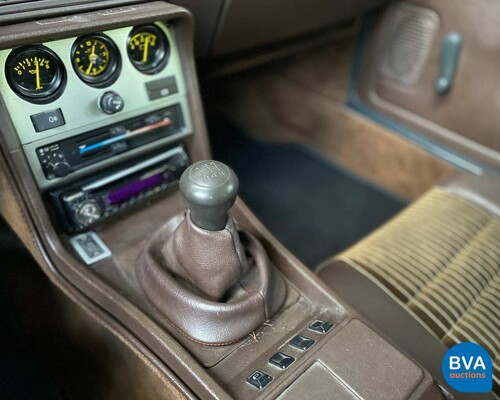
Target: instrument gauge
[(35, 73), (96, 60), (148, 48)]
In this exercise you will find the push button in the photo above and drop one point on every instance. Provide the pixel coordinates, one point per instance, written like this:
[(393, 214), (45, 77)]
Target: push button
[(259, 379), (281, 360), (153, 119), (118, 130), (161, 88), (302, 342), (47, 120), (320, 326)]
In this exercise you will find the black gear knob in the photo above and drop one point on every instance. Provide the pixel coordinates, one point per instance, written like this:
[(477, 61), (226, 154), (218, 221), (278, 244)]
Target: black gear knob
[(210, 189)]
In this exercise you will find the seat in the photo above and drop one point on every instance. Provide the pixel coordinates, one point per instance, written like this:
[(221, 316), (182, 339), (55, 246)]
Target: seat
[(430, 277)]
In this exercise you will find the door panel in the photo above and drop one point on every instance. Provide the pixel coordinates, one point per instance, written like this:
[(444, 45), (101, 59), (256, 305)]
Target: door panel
[(401, 62)]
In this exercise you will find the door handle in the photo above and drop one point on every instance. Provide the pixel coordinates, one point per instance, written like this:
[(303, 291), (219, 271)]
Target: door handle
[(450, 50)]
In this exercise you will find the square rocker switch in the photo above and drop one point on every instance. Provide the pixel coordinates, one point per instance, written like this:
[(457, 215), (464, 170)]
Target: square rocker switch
[(320, 326), (281, 360), (302, 342), (259, 379), (47, 120)]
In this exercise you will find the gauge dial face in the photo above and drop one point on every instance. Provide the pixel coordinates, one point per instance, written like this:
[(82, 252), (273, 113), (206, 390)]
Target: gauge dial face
[(148, 48), (35, 73), (95, 60)]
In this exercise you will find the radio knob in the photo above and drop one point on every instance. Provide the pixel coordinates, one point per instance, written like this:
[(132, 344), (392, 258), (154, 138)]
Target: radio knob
[(60, 168), (110, 102), (88, 212)]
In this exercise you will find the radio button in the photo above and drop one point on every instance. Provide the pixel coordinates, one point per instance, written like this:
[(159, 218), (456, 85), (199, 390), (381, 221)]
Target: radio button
[(88, 212)]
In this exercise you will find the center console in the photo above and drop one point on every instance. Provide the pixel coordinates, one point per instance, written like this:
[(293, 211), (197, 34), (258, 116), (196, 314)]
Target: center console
[(101, 119)]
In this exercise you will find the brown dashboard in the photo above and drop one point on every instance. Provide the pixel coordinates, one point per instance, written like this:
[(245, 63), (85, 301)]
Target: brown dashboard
[(224, 27)]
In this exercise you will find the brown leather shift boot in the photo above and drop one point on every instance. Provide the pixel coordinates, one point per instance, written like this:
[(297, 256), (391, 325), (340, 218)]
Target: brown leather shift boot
[(213, 281), (253, 298), (212, 261)]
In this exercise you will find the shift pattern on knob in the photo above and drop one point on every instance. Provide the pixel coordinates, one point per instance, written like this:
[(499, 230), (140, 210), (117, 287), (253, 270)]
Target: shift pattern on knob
[(210, 174), (210, 189)]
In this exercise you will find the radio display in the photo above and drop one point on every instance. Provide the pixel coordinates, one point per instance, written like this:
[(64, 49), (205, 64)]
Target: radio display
[(124, 193)]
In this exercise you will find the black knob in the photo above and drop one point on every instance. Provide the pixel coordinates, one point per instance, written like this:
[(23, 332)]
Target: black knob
[(110, 102), (210, 189), (60, 168), (88, 212)]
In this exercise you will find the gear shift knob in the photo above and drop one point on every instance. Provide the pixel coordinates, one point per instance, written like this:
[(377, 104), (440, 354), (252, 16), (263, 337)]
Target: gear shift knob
[(210, 189)]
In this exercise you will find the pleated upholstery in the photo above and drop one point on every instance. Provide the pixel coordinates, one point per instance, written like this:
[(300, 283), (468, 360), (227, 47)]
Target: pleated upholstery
[(440, 259)]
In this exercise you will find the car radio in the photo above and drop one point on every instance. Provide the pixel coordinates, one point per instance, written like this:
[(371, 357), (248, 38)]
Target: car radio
[(84, 203)]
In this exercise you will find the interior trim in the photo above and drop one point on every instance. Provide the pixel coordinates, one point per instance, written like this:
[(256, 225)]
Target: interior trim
[(455, 158)]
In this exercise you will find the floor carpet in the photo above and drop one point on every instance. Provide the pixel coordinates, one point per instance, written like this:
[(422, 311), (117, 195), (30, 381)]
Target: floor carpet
[(313, 206)]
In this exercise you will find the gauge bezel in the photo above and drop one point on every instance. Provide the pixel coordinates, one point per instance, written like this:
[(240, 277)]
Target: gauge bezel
[(162, 55), (109, 76), (57, 84)]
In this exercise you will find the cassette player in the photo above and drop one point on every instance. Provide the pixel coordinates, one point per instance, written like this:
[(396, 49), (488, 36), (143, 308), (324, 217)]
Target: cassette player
[(61, 158), (85, 203)]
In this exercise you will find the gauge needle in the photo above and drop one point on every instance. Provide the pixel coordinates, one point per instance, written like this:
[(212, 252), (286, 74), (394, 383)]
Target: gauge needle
[(91, 58), (146, 49), (37, 72)]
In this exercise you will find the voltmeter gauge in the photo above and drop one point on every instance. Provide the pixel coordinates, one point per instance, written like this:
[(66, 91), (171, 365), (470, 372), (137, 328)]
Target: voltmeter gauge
[(148, 48), (96, 60), (35, 73)]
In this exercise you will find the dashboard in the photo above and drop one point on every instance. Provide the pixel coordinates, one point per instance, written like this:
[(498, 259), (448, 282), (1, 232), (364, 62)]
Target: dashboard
[(94, 100), (99, 108), (103, 105)]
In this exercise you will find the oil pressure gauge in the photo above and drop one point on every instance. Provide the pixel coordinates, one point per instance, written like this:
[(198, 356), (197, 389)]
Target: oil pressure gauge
[(148, 48), (35, 73)]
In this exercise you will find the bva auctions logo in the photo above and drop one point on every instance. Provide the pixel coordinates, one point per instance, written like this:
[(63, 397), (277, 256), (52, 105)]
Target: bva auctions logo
[(467, 367)]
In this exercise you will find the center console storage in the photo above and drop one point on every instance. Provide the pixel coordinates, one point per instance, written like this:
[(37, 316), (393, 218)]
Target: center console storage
[(214, 301)]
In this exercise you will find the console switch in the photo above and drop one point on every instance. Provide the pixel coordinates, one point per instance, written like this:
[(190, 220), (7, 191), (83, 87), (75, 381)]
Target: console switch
[(302, 342), (47, 120), (161, 88), (320, 326), (281, 360), (259, 379)]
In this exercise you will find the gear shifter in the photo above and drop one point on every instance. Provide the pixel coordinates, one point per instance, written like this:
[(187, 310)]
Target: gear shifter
[(211, 279), (210, 189), (205, 249)]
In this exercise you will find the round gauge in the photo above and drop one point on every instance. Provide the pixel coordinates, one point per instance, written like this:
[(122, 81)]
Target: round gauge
[(148, 48), (96, 60), (35, 73)]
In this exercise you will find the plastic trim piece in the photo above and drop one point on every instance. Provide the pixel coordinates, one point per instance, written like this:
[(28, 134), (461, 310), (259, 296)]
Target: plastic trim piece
[(90, 247), (450, 50)]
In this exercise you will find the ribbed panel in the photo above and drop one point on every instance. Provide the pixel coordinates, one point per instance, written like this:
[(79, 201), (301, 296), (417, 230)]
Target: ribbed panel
[(409, 31), (440, 258)]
